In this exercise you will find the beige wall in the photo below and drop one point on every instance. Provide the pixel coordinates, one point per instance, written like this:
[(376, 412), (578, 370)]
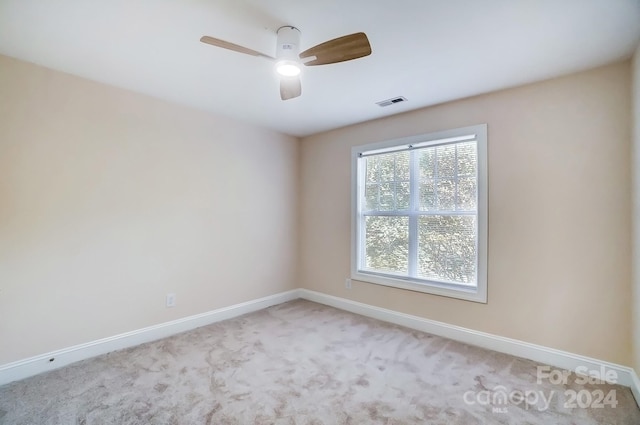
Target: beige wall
[(559, 213), (636, 208), (109, 200)]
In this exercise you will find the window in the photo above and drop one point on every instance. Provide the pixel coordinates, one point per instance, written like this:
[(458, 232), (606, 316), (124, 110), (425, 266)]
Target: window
[(420, 213)]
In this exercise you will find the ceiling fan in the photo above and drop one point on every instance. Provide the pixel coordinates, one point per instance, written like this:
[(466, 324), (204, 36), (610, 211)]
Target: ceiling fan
[(288, 60)]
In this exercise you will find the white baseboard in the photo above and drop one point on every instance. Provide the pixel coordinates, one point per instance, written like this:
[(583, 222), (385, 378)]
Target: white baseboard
[(32, 366), (562, 359), (635, 386)]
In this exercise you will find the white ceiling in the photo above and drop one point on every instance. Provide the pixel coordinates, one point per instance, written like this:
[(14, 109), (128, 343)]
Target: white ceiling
[(429, 51)]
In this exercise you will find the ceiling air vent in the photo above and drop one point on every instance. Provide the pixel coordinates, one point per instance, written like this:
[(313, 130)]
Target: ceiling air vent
[(391, 101)]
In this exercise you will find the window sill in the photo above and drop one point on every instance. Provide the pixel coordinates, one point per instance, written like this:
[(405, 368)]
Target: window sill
[(475, 294)]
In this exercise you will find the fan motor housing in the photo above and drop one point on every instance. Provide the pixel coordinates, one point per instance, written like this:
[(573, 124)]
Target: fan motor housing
[(288, 44)]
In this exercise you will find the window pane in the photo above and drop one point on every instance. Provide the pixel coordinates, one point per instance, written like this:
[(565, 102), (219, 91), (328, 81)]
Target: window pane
[(387, 186), (371, 196), (402, 166), (446, 195), (446, 164), (387, 167), (447, 248), (467, 198), (467, 158), (426, 163), (428, 201), (403, 196), (372, 169), (386, 196), (387, 244)]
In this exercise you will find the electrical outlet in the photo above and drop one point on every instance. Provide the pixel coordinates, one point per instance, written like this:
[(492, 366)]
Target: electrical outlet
[(171, 300), (347, 283)]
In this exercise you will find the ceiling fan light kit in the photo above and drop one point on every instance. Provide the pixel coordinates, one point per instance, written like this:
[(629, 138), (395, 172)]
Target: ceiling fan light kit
[(289, 60), (288, 68), (287, 51)]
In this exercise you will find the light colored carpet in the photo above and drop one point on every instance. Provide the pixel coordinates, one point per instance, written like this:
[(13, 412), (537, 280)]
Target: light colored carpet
[(299, 363)]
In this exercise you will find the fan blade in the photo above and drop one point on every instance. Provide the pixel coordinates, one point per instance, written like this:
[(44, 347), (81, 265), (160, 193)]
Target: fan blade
[(290, 88), (339, 49), (230, 46)]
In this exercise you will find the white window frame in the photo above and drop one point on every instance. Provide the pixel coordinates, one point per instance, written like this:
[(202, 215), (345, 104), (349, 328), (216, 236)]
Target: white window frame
[(470, 293)]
